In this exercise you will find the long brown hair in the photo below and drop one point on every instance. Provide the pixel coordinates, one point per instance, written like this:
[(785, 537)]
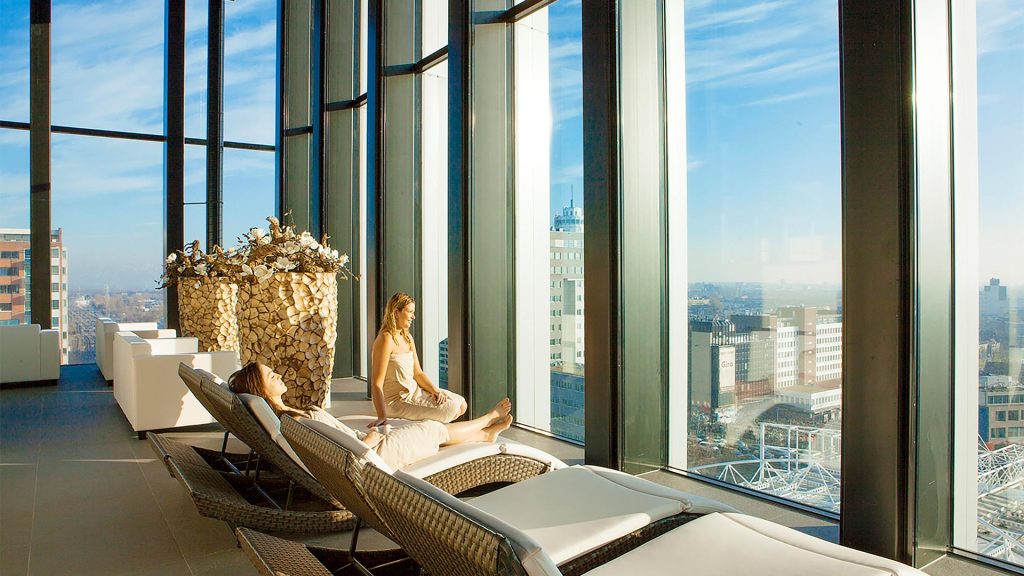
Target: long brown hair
[(389, 323), (249, 380)]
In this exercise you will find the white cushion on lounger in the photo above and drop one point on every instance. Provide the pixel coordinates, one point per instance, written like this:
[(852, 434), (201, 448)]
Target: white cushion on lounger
[(265, 415), (574, 510), (691, 503), (349, 442), (528, 550), (726, 544), (451, 456)]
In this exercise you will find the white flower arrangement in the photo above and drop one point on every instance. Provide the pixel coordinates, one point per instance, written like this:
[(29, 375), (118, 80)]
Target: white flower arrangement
[(192, 263), (261, 254)]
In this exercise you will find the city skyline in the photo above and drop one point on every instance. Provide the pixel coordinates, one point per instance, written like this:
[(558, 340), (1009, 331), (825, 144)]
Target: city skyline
[(758, 73)]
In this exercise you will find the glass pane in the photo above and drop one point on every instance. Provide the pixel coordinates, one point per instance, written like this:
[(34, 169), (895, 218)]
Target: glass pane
[(549, 220), (765, 247), (250, 71), (195, 224), (195, 174), (988, 73), (108, 65), (14, 45), (15, 276), (435, 26), (196, 17), (433, 311), (248, 191), (107, 203)]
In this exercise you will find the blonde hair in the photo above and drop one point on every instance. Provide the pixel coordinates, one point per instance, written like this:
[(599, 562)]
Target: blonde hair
[(249, 380), (389, 323)]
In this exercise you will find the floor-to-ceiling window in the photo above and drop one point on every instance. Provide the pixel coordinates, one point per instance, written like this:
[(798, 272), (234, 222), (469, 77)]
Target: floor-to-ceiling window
[(15, 300), (988, 81), (107, 166), (764, 222), (434, 189), (549, 224), (106, 197)]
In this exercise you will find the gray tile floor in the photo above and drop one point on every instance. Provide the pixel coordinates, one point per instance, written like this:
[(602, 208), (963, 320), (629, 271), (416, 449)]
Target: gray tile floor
[(80, 494)]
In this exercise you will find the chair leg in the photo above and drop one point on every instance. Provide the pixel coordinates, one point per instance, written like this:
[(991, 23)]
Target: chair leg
[(224, 445), (291, 492)]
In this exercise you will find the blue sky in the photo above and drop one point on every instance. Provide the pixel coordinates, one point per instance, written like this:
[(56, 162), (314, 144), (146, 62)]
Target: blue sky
[(762, 132), (107, 72)]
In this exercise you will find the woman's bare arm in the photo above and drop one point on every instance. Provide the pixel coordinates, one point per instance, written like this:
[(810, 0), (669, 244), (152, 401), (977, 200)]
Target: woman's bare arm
[(382, 348), (421, 378)]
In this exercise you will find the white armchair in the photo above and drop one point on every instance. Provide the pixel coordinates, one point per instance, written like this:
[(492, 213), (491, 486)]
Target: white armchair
[(29, 355), (146, 382), (105, 330)]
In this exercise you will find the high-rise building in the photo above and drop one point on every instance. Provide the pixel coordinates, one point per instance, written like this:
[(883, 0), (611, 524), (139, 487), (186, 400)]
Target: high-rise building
[(442, 364), (994, 300), (567, 351), (16, 282), (794, 354), (567, 303)]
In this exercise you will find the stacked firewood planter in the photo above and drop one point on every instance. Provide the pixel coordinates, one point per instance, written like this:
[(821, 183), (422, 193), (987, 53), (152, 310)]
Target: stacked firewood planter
[(208, 312), (289, 322)]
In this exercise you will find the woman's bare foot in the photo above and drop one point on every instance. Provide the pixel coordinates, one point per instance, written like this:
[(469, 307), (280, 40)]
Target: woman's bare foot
[(500, 410), (492, 431)]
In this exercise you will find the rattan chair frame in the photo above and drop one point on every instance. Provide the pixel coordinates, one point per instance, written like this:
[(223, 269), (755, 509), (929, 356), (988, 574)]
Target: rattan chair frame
[(445, 541)]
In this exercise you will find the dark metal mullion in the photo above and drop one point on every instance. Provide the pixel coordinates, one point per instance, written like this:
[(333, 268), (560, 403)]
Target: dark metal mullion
[(375, 249), (346, 104), (876, 77), (603, 379), (417, 169), (39, 161), (174, 146), (282, 112), (317, 148), (459, 205), (215, 124), (524, 9), (356, 185), (431, 60), (421, 65), (138, 136)]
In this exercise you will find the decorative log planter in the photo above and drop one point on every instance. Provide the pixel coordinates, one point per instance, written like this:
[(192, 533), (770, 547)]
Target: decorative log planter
[(208, 312), (289, 322)]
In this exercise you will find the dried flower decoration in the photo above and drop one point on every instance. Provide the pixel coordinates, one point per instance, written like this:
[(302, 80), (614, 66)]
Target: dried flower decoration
[(261, 254), (195, 266)]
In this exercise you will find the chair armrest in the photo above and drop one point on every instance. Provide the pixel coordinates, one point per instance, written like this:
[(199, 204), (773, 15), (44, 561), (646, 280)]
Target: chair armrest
[(174, 346), (49, 354), (153, 334)]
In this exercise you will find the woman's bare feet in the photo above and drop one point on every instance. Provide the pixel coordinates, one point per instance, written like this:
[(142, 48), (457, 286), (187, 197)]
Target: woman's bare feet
[(500, 410), (492, 431)]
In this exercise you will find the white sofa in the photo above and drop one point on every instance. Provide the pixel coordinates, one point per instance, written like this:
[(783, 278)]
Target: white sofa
[(105, 330), (29, 355), (146, 382)]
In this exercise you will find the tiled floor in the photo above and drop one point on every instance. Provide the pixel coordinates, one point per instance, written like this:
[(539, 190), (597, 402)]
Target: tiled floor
[(80, 494)]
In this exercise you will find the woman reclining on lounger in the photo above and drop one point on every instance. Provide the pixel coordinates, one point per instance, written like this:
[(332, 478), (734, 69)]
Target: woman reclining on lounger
[(399, 386), (399, 446)]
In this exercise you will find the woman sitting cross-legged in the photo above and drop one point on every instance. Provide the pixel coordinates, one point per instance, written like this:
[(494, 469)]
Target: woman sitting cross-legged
[(399, 386), (401, 445)]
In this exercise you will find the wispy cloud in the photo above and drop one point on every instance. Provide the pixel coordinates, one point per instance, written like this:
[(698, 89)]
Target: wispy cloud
[(765, 44), (1000, 26), (792, 96), (741, 15)]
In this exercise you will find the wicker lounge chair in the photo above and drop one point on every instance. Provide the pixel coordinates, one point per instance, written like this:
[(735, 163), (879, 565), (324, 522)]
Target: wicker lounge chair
[(307, 506), (448, 536), (278, 495), (601, 513)]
